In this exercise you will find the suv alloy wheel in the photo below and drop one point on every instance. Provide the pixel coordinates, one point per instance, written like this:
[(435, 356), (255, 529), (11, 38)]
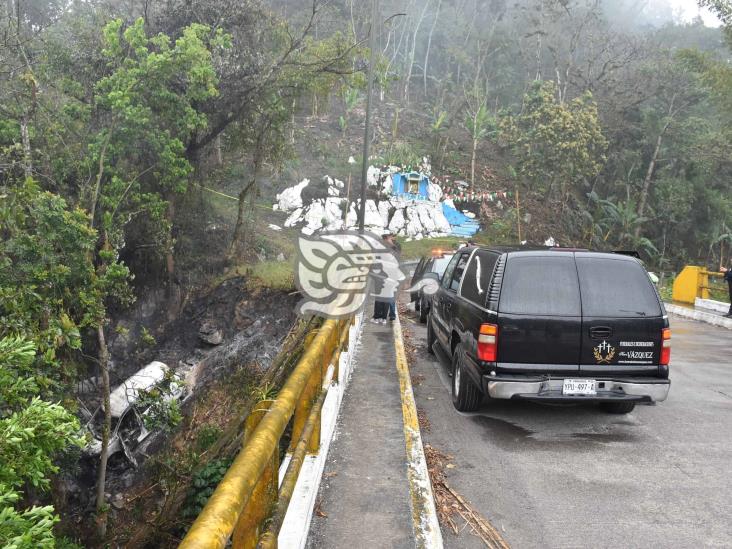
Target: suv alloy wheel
[(466, 396)]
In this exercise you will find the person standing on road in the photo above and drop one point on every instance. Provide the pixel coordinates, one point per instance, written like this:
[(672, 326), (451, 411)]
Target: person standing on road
[(728, 278), (383, 306), (396, 248), (380, 309)]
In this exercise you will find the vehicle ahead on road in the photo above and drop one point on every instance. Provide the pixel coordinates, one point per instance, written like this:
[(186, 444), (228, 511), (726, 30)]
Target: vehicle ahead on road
[(436, 263), (551, 325)]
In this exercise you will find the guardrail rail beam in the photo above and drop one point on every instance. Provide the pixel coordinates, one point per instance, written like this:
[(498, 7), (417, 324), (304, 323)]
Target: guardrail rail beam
[(249, 494)]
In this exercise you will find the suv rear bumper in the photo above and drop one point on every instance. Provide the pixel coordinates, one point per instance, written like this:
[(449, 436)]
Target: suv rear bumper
[(520, 387)]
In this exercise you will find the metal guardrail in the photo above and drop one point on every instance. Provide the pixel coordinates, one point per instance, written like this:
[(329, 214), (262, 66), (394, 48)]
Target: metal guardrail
[(692, 282), (247, 506)]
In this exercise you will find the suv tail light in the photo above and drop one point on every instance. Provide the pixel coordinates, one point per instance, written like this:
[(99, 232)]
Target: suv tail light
[(665, 346), (488, 342)]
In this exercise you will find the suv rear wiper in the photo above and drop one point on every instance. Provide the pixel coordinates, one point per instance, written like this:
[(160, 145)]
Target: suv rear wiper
[(640, 313)]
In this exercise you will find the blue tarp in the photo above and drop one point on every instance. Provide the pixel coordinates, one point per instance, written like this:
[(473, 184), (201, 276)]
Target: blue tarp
[(453, 216), (460, 224)]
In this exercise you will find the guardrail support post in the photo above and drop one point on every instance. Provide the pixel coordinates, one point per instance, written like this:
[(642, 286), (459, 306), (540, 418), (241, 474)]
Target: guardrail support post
[(250, 524), (302, 410), (341, 326), (703, 290)]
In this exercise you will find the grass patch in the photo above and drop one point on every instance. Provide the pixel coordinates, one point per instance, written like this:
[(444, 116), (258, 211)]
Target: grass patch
[(419, 248), (273, 275)]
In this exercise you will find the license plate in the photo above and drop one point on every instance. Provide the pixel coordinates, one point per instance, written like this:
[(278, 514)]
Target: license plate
[(579, 387)]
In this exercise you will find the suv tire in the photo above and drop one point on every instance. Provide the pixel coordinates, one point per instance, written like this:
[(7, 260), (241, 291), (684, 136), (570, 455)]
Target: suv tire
[(466, 396), (617, 407), (422, 309), (430, 336)]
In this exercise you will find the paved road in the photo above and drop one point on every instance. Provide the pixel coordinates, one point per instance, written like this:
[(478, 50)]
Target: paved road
[(561, 476)]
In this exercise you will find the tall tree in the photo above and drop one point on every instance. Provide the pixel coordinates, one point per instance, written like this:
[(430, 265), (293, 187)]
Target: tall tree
[(561, 144)]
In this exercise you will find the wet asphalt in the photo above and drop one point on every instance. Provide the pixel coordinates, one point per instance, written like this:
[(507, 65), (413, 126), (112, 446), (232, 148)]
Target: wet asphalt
[(574, 476)]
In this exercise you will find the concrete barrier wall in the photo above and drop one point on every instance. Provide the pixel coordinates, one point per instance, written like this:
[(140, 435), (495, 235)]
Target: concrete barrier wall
[(693, 314), (711, 305)]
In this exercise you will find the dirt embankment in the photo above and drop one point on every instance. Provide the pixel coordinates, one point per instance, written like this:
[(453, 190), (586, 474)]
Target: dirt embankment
[(221, 344)]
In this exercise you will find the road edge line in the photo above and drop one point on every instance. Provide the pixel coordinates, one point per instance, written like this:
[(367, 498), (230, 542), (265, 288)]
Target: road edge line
[(424, 514)]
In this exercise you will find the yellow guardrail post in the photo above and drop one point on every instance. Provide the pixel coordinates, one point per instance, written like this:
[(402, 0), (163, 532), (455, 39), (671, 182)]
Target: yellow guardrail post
[(305, 404), (309, 393), (686, 284), (702, 289), (249, 526), (344, 328), (692, 282)]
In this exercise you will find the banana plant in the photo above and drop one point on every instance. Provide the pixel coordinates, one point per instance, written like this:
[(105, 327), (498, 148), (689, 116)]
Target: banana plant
[(615, 222), (350, 100)]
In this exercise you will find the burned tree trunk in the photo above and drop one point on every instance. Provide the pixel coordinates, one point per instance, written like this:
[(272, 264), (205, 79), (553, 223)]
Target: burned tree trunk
[(101, 506)]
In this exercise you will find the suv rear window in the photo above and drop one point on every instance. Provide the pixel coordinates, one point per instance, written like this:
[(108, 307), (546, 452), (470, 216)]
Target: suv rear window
[(540, 285), (478, 277), (616, 288)]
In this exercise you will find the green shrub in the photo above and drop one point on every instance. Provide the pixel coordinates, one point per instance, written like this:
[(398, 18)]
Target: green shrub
[(203, 485), (207, 436)]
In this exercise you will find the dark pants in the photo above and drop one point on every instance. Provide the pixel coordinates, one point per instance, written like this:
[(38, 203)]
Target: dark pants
[(380, 309), (729, 282)]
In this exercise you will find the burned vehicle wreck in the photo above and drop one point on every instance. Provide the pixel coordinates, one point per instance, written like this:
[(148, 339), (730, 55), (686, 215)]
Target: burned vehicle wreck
[(133, 406)]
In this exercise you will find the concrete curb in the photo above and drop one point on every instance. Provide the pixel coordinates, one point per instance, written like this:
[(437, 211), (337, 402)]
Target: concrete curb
[(712, 305), (296, 526), (709, 318), (427, 531)]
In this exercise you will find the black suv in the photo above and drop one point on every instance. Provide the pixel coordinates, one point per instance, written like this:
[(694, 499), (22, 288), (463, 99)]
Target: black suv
[(551, 325), (436, 263)]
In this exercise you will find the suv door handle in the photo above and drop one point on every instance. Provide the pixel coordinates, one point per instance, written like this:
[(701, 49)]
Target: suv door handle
[(601, 332)]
